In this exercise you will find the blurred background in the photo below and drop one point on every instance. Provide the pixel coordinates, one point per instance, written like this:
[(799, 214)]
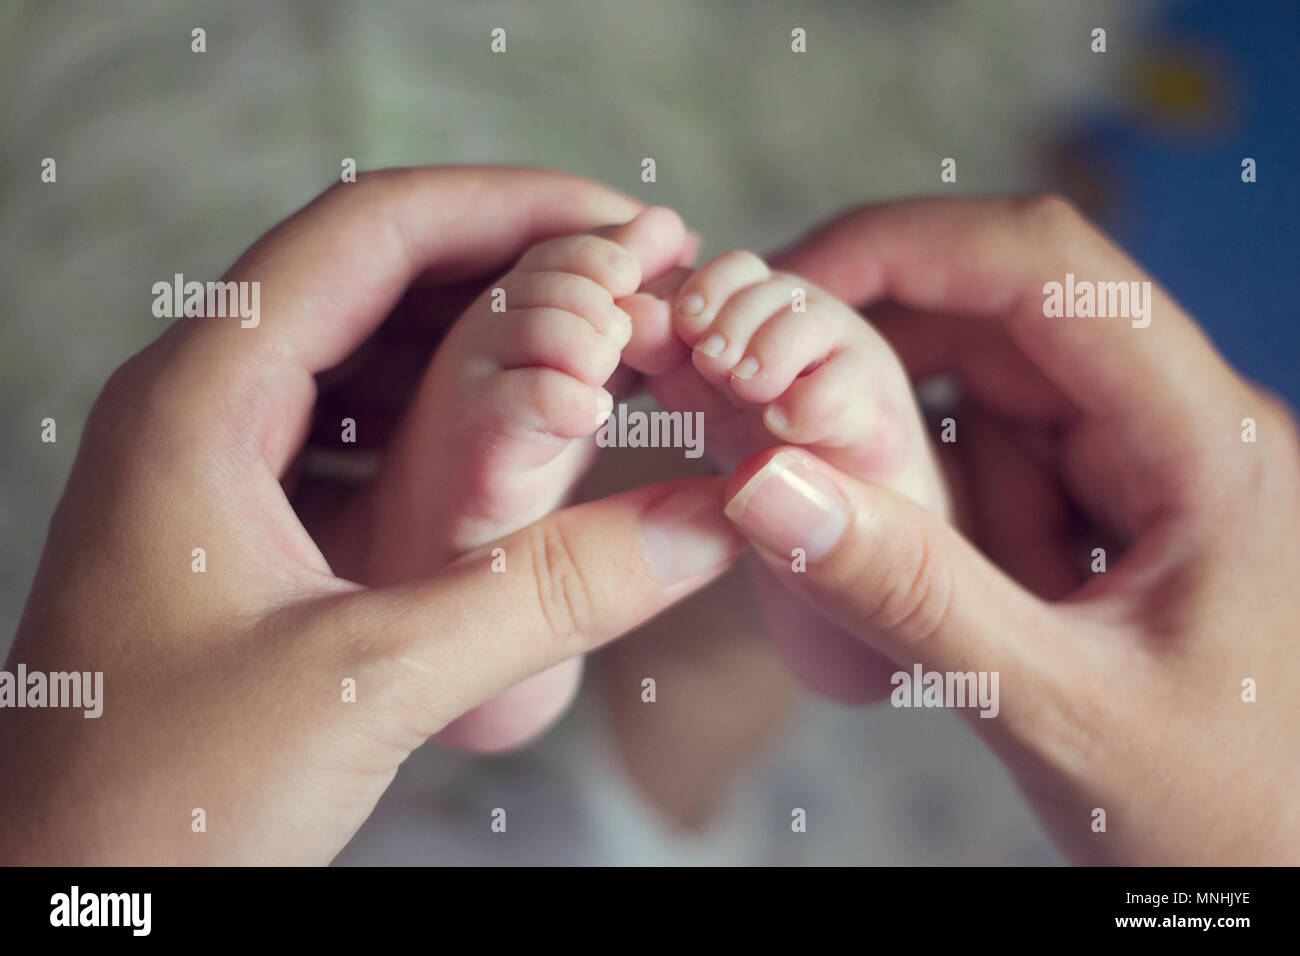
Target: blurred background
[(171, 161)]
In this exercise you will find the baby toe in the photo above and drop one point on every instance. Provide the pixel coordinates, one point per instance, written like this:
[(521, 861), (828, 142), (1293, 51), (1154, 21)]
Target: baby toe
[(722, 350), (785, 346), (656, 237), (569, 293), (547, 402), (603, 261), (560, 340), (713, 284)]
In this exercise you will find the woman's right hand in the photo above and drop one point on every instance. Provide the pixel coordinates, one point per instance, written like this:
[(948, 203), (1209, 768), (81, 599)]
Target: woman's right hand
[(1165, 691)]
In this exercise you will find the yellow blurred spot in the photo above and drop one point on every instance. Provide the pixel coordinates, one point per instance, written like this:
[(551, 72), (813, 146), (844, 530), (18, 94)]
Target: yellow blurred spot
[(1178, 88)]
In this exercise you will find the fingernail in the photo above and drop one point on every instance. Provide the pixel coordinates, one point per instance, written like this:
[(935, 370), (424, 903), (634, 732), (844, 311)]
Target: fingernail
[(692, 304), (712, 346), (686, 534), (604, 407), (786, 505), (746, 369)]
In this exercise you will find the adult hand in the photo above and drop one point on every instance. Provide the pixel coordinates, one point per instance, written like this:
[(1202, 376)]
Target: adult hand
[(1128, 691), (226, 691)]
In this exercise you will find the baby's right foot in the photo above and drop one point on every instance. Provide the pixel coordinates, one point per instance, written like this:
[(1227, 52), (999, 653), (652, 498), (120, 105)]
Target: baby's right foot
[(518, 384)]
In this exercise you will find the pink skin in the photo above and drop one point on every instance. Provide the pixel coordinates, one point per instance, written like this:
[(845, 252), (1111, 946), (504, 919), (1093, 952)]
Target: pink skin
[(765, 374), (519, 394)]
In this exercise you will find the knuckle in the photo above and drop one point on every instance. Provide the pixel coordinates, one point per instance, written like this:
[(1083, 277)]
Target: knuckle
[(124, 400), (119, 393), (916, 590), (563, 598), (1048, 214)]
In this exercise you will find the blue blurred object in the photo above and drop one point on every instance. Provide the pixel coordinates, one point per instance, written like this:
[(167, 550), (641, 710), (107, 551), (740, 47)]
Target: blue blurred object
[(1220, 85)]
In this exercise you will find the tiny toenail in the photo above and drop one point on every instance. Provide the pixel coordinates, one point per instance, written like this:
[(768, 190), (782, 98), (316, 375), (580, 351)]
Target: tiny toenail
[(777, 420), (693, 304), (604, 407), (712, 346), (745, 369)]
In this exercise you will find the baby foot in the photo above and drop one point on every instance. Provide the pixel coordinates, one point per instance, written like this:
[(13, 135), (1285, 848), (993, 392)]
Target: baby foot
[(812, 370), (777, 360), (517, 385)]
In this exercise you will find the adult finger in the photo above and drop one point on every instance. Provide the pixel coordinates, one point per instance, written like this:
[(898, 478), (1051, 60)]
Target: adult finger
[(991, 259), (327, 276), (888, 570), (556, 589)]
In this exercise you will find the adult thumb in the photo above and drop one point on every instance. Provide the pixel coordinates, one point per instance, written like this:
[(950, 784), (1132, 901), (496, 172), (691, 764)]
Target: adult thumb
[(890, 572), (561, 587)]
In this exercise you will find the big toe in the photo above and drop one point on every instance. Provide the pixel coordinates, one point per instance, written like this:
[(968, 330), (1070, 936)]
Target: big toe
[(656, 236), (655, 346)]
